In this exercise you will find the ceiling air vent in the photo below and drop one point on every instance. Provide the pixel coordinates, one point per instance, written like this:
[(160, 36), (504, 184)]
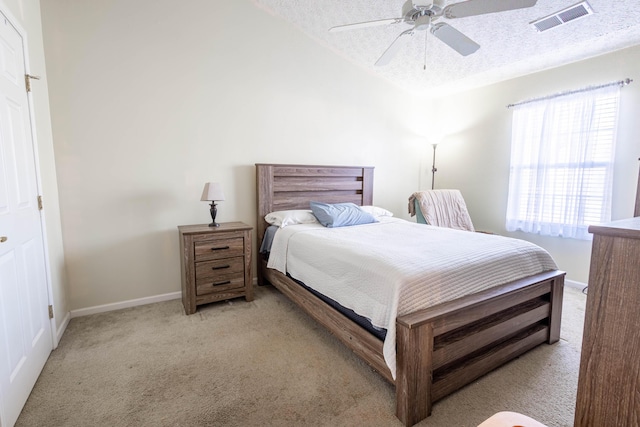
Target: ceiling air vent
[(562, 17)]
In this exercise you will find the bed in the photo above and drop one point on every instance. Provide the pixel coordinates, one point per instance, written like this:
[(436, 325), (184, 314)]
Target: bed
[(437, 349)]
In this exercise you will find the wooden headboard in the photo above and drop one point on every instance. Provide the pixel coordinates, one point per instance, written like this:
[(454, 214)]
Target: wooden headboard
[(283, 187)]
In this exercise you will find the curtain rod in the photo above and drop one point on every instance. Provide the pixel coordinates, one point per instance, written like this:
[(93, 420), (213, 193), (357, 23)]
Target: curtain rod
[(571, 92)]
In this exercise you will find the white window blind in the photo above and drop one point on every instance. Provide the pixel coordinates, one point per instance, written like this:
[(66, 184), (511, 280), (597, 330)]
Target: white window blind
[(562, 153)]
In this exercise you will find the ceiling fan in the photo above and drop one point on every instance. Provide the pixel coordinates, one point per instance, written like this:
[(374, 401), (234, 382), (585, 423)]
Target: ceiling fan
[(422, 14)]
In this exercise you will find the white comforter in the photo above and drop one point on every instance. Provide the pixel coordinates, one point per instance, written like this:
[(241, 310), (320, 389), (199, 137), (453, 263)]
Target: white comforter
[(394, 267)]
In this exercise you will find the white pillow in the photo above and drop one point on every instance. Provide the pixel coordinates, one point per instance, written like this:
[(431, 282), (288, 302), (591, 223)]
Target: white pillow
[(376, 211), (291, 217)]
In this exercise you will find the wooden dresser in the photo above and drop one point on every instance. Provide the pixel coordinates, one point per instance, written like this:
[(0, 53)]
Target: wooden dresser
[(609, 381), (215, 263)]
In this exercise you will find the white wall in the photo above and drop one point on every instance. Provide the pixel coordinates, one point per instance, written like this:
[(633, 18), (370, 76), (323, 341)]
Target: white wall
[(26, 14), (474, 155), (153, 98)]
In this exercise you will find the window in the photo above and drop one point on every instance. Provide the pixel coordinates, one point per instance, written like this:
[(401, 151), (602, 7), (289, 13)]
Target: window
[(562, 152)]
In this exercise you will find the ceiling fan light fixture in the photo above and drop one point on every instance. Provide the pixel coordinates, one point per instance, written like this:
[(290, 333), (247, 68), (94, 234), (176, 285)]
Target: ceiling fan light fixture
[(422, 23), (422, 4)]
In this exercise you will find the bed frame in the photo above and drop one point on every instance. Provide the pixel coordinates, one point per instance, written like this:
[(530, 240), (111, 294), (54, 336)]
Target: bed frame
[(439, 349)]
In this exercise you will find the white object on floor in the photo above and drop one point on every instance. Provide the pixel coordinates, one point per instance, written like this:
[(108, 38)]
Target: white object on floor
[(510, 419)]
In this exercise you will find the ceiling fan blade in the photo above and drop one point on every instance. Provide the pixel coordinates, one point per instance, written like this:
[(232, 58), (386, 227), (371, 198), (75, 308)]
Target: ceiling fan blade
[(454, 39), (358, 25), (392, 50), (481, 7)]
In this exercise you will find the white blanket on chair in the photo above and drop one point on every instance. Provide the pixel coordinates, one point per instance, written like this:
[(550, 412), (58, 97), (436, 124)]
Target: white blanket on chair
[(394, 267), (444, 208)]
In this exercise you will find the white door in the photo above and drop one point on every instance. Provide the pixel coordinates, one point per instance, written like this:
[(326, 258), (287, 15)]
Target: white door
[(25, 329)]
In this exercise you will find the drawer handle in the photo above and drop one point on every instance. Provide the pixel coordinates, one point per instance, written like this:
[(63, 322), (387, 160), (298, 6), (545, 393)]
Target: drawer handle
[(226, 282), (220, 249), (222, 267)]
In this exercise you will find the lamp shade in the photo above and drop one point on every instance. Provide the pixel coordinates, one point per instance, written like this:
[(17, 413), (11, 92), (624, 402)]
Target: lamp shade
[(212, 192)]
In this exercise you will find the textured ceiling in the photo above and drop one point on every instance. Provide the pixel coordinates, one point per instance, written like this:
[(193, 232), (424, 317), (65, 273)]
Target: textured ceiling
[(510, 46)]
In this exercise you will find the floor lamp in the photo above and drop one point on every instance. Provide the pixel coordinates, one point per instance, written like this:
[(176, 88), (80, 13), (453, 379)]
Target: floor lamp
[(433, 167)]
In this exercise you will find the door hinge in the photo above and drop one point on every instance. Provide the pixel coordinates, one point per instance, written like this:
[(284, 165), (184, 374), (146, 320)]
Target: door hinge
[(40, 207), (50, 312), (27, 81)]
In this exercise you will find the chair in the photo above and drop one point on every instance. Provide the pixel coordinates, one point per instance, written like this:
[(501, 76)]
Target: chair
[(442, 208)]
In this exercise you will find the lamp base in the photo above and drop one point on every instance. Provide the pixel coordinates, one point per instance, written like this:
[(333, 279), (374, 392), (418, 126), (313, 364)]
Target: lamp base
[(214, 212), (433, 168)]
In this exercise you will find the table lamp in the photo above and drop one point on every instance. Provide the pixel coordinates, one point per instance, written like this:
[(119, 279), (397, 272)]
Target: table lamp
[(212, 192)]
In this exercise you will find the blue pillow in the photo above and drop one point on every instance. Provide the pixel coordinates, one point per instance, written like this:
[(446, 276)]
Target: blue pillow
[(340, 214)]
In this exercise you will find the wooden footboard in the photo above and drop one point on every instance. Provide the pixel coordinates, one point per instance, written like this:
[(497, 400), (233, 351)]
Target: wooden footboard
[(443, 348)]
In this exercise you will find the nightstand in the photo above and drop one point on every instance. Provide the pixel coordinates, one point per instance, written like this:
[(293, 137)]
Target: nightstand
[(215, 263)]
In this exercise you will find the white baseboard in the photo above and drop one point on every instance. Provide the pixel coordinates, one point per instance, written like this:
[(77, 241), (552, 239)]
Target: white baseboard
[(61, 329), (125, 304), (574, 284)]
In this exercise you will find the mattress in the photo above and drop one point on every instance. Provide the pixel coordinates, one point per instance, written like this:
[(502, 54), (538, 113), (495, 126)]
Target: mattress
[(265, 249), (394, 267)]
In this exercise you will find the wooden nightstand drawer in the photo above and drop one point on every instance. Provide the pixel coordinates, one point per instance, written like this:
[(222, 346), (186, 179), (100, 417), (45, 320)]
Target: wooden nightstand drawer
[(221, 283), (206, 270), (215, 263), (219, 248)]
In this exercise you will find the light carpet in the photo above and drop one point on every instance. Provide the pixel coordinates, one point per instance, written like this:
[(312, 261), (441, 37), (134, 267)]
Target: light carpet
[(266, 363)]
